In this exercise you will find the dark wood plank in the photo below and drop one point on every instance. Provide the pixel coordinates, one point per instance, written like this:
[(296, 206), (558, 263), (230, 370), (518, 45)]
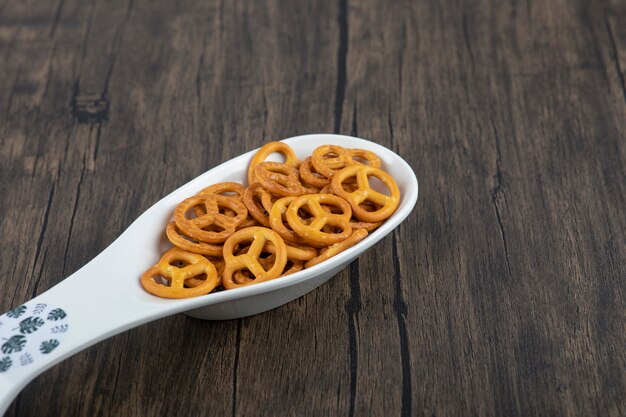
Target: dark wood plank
[(96, 196), (293, 347), (512, 119), (503, 294)]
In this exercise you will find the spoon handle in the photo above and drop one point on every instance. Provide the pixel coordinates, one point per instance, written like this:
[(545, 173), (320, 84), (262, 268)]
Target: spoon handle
[(96, 302)]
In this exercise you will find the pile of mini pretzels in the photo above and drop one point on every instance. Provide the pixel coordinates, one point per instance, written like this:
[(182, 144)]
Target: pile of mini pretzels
[(293, 215)]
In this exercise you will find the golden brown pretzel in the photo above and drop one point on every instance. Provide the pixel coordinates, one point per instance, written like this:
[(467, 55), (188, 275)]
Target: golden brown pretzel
[(364, 192), (354, 222), (278, 220), (251, 198), (312, 231), (210, 204), (227, 189), (327, 159), (329, 252), (280, 179), (295, 252), (268, 149), (195, 266), (180, 240), (259, 236), (370, 227), (310, 176), (219, 265), (292, 266)]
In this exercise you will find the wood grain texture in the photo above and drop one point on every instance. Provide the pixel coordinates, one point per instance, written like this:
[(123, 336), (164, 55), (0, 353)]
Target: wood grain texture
[(504, 293)]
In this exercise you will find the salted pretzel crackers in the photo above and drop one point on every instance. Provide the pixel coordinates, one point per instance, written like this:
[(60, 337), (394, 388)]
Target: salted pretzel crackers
[(293, 215)]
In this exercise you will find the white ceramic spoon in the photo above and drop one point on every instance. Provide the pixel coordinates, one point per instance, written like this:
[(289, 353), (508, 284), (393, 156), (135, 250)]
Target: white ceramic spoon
[(105, 298)]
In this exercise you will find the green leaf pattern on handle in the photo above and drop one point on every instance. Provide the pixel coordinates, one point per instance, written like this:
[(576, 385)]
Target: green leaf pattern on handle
[(29, 333), (16, 312), (48, 346), (5, 364), (57, 314), (30, 325), (14, 344)]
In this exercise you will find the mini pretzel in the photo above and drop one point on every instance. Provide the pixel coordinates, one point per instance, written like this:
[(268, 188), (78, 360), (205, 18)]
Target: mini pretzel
[(280, 179), (180, 240), (210, 204), (196, 265), (327, 159), (278, 220), (260, 212), (266, 150), (329, 252), (250, 260), (312, 232), (310, 176), (294, 252), (387, 203), (227, 189), (243, 277), (370, 227), (356, 223), (219, 265)]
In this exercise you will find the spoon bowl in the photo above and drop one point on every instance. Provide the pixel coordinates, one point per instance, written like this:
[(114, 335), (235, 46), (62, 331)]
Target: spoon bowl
[(105, 297)]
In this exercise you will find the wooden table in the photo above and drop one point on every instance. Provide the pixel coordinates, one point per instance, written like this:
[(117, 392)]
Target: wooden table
[(504, 293)]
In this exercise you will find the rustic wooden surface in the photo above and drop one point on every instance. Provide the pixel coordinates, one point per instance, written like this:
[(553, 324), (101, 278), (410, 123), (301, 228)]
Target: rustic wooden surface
[(504, 293)]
